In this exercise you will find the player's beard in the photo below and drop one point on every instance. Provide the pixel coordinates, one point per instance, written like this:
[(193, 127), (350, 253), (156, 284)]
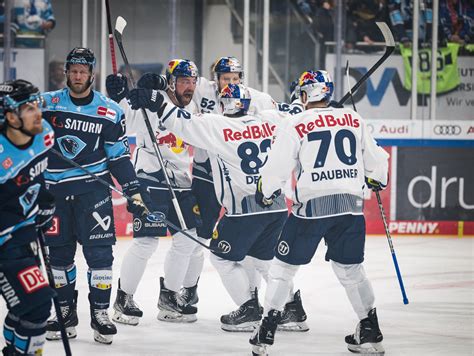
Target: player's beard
[(185, 98), (79, 88)]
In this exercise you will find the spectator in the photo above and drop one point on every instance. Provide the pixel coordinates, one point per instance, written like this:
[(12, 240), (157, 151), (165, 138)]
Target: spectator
[(401, 17), (13, 26), (35, 18), (361, 18), (57, 79), (456, 21)]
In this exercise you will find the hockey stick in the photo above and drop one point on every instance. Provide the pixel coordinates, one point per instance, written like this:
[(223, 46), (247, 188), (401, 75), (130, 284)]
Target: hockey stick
[(382, 213), (119, 27), (46, 266), (111, 38), (159, 217), (389, 48)]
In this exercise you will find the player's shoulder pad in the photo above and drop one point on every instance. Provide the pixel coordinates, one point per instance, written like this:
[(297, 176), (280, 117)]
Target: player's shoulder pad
[(107, 107), (54, 98)]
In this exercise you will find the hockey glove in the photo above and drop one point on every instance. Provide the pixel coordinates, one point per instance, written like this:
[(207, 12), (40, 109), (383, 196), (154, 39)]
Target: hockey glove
[(152, 81), (146, 99), (373, 184), (117, 87), (260, 198), (47, 207), (137, 207)]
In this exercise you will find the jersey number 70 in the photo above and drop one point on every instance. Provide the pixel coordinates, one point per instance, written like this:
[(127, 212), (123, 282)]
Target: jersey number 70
[(325, 138)]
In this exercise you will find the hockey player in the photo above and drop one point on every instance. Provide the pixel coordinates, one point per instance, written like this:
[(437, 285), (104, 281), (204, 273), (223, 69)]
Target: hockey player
[(295, 106), (237, 145), (90, 129), (24, 202), (225, 70), (184, 260), (331, 151)]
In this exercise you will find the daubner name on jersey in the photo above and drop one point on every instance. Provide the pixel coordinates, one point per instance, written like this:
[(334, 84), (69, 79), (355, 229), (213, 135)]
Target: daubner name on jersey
[(326, 121), (84, 126), (251, 132), (334, 174)]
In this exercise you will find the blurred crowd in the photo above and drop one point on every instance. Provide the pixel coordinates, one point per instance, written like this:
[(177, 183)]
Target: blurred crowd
[(456, 21)]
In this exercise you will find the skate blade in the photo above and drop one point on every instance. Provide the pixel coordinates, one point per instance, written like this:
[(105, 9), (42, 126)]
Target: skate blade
[(174, 317), (368, 348), (258, 350), (293, 327), (125, 319), (56, 335), (103, 339), (244, 327)]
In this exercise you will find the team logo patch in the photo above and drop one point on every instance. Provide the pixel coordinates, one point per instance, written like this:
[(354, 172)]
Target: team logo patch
[(71, 146), (28, 199), (32, 279), (137, 224), (224, 246), (283, 248), (54, 229), (196, 210), (7, 163)]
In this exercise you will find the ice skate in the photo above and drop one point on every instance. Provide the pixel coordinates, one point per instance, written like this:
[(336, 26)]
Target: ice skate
[(104, 329), (245, 318), (69, 314), (293, 317), (264, 336), (173, 308), (126, 311), (367, 338), (189, 294)]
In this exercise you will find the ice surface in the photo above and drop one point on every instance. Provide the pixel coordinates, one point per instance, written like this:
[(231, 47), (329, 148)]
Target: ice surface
[(439, 280)]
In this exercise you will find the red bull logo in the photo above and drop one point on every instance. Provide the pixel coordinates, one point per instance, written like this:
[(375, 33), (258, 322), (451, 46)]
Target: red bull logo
[(229, 90), (307, 78), (176, 144)]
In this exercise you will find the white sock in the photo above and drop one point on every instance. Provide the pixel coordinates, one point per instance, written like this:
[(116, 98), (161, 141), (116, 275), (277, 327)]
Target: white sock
[(234, 278), (280, 284), (357, 286), (196, 262), (134, 262)]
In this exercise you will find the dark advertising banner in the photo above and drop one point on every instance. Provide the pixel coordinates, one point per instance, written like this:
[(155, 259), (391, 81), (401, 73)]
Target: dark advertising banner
[(435, 184)]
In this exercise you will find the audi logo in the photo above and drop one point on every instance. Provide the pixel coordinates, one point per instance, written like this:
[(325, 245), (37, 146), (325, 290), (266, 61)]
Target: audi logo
[(447, 130)]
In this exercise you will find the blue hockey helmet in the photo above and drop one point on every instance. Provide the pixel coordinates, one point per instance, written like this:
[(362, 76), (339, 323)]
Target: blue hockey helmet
[(317, 85), (15, 93), (181, 68), (234, 99), (294, 90), (80, 55), (227, 65)]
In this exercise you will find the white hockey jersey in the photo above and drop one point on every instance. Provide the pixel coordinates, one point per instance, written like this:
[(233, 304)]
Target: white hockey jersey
[(175, 151), (206, 99), (237, 149), (331, 150)]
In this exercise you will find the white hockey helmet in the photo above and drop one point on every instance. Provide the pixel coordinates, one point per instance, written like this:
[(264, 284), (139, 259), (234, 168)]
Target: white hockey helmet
[(317, 85)]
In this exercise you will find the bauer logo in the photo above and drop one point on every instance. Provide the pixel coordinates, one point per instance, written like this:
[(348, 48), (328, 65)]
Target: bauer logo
[(283, 248), (32, 279), (224, 246)]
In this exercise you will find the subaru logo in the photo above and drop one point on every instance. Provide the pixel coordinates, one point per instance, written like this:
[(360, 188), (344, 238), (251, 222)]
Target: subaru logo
[(156, 216), (447, 130)]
